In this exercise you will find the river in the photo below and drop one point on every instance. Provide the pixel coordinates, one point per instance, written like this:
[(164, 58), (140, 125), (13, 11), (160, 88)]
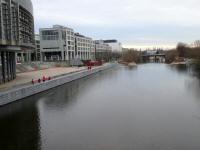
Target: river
[(150, 107)]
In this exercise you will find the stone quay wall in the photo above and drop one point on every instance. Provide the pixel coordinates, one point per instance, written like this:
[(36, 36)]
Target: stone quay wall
[(26, 91)]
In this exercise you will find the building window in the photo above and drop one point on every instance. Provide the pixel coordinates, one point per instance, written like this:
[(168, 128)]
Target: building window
[(50, 35)]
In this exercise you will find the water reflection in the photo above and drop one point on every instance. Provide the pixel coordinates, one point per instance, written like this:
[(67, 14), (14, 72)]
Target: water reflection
[(181, 69), (67, 95), (150, 107), (191, 83), (195, 70), (20, 127)]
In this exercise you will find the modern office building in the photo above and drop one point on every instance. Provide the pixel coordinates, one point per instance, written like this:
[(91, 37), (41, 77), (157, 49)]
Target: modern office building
[(57, 43), (84, 47), (93, 50), (16, 34), (102, 50), (116, 46)]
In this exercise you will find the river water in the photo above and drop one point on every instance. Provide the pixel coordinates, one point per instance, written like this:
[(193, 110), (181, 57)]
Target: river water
[(151, 107)]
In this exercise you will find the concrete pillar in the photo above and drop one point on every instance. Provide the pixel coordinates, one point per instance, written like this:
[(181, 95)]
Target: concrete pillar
[(27, 59), (0, 69), (8, 66), (15, 58), (11, 65), (62, 55), (66, 55), (71, 55), (14, 65), (41, 57), (22, 57), (89, 54), (3, 66), (29, 55)]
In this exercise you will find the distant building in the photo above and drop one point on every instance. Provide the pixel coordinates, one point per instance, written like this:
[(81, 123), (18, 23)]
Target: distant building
[(84, 47), (116, 46), (157, 55), (93, 50), (102, 51), (16, 35), (61, 43), (37, 53), (57, 43)]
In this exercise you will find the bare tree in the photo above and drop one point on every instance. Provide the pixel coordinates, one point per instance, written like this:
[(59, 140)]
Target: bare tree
[(181, 48), (197, 43), (130, 55)]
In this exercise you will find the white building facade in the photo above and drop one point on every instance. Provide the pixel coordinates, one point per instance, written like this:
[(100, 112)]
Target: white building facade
[(93, 50), (61, 43), (57, 43), (116, 46), (102, 50), (84, 47)]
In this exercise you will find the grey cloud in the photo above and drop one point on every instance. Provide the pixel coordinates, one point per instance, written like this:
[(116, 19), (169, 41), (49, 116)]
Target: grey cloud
[(121, 14)]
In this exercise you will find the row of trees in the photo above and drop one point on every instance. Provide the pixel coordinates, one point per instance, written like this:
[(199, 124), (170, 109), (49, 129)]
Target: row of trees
[(196, 44), (181, 51), (131, 55), (184, 51)]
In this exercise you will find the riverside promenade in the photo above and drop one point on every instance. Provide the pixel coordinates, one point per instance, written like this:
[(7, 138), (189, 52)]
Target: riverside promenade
[(26, 78), (23, 89)]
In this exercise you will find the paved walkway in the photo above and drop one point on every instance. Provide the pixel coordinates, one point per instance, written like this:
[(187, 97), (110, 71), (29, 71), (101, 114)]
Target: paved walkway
[(26, 78)]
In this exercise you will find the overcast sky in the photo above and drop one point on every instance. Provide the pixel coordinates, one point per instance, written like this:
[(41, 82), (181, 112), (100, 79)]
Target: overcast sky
[(136, 23)]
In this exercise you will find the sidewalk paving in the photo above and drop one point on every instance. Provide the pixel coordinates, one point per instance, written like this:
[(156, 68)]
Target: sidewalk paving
[(26, 78)]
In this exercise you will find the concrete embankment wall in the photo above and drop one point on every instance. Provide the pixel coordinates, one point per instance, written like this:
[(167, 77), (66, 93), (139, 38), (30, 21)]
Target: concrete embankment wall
[(26, 91)]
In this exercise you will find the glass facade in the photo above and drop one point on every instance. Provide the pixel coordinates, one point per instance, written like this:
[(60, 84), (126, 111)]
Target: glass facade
[(64, 43), (16, 33), (17, 24), (50, 35)]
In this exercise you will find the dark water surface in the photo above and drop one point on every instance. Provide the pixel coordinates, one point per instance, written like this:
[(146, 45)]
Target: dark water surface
[(151, 107)]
